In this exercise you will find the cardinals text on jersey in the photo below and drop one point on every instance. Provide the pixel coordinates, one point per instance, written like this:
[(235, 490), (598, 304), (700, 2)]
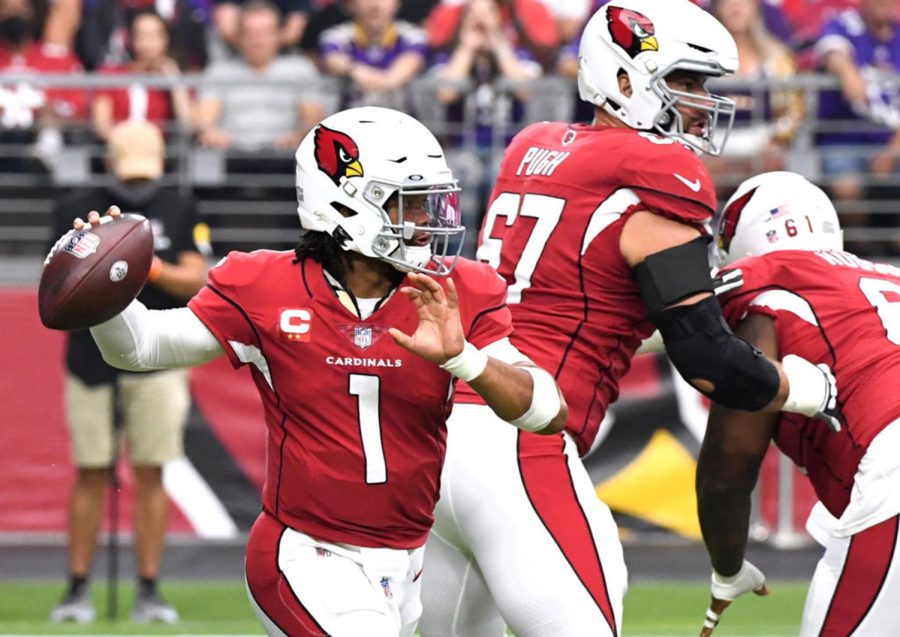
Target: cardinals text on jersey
[(355, 423)]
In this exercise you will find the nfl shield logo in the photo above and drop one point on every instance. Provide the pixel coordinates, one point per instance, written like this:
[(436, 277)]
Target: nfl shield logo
[(82, 244), (362, 336)]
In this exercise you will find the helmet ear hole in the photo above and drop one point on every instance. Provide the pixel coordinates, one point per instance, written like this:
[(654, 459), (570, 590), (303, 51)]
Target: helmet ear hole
[(624, 80), (341, 237)]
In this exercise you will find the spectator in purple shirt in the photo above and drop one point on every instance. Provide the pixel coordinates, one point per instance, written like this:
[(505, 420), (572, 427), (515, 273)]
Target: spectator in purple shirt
[(376, 53), (860, 124)]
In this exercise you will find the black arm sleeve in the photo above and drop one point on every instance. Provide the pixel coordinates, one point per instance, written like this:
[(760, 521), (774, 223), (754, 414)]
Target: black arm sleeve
[(702, 346), (672, 275)]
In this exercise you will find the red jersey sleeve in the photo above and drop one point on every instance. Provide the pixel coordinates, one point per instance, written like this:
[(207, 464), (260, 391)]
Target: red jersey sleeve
[(669, 178), (220, 305), (737, 304), (482, 303)]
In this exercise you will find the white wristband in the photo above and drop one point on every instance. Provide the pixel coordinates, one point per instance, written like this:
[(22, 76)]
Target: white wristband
[(809, 390), (468, 364), (545, 402)]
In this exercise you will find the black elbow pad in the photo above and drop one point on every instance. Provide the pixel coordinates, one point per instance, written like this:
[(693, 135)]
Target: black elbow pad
[(702, 346)]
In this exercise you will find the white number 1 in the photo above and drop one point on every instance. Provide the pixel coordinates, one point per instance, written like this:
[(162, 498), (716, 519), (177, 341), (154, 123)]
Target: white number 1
[(366, 389)]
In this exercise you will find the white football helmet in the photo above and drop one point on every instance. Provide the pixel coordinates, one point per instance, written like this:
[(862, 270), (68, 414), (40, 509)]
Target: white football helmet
[(776, 211), (357, 160), (647, 40)]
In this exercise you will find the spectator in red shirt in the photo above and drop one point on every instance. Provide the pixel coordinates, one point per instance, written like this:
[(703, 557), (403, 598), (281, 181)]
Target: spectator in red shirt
[(527, 23), (27, 109), (148, 45)]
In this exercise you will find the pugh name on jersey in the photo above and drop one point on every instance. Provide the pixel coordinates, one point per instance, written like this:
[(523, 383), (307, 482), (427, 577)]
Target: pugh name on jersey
[(541, 161)]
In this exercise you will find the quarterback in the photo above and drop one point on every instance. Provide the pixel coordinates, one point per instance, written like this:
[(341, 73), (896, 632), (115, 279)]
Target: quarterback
[(354, 341)]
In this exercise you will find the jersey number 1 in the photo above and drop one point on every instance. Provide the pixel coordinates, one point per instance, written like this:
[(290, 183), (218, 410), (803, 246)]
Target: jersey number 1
[(366, 389)]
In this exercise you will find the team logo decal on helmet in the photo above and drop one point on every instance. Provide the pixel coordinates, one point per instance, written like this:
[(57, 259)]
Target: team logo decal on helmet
[(631, 30), (730, 218), (336, 154)]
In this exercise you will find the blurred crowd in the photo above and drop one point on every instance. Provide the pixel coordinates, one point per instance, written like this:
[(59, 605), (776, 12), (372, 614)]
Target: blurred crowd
[(264, 72)]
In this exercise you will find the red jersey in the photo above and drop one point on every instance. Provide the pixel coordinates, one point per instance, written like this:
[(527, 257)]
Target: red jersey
[(355, 423), (21, 101), (552, 231), (833, 308), (136, 101)]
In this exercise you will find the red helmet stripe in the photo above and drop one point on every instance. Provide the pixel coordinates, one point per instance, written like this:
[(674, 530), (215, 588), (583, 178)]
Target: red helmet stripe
[(730, 218)]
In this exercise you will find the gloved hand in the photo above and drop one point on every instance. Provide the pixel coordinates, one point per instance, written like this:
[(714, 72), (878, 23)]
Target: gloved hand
[(813, 390)]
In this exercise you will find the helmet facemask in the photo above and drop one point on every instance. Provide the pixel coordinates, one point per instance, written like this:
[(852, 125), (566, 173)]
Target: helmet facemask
[(669, 122), (428, 233)]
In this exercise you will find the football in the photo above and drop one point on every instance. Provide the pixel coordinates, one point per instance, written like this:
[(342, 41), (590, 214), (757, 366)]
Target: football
[(92, 274)]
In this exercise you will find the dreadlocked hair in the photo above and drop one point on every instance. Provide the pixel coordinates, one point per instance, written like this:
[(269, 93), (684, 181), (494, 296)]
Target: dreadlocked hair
[(322, 248)]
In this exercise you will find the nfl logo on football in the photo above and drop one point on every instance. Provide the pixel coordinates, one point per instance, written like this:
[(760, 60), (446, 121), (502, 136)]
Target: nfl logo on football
[(82, 244), (362, 337)]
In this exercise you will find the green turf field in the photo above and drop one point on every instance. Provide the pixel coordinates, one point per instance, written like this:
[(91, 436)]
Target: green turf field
[(221, 609)]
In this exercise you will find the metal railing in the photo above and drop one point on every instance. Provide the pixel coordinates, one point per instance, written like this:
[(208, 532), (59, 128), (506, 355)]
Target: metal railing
[(248, 209)]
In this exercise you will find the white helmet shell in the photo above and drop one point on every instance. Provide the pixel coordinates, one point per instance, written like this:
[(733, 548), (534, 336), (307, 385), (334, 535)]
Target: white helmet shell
[(353, 162), (776, 211), (648, 39)]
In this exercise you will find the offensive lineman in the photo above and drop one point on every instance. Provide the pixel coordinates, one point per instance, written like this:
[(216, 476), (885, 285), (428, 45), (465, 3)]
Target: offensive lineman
[(803, 295), (355, 406), (598, 231)]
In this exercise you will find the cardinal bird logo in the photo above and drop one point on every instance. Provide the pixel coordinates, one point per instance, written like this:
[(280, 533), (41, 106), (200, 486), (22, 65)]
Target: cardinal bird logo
[(631, 30), (336, 154), (730, 218)]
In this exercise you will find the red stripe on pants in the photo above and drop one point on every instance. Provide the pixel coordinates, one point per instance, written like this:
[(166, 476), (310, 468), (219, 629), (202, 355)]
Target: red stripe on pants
[(868, 559), (270, 589), (548, 485)]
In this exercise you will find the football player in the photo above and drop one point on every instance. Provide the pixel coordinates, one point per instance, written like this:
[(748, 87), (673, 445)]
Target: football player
[(353, 341), (801, 295), (599, 232)]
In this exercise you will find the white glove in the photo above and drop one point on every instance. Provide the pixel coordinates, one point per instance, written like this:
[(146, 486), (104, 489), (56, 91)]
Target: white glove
[(812, 392), (749, 578)]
